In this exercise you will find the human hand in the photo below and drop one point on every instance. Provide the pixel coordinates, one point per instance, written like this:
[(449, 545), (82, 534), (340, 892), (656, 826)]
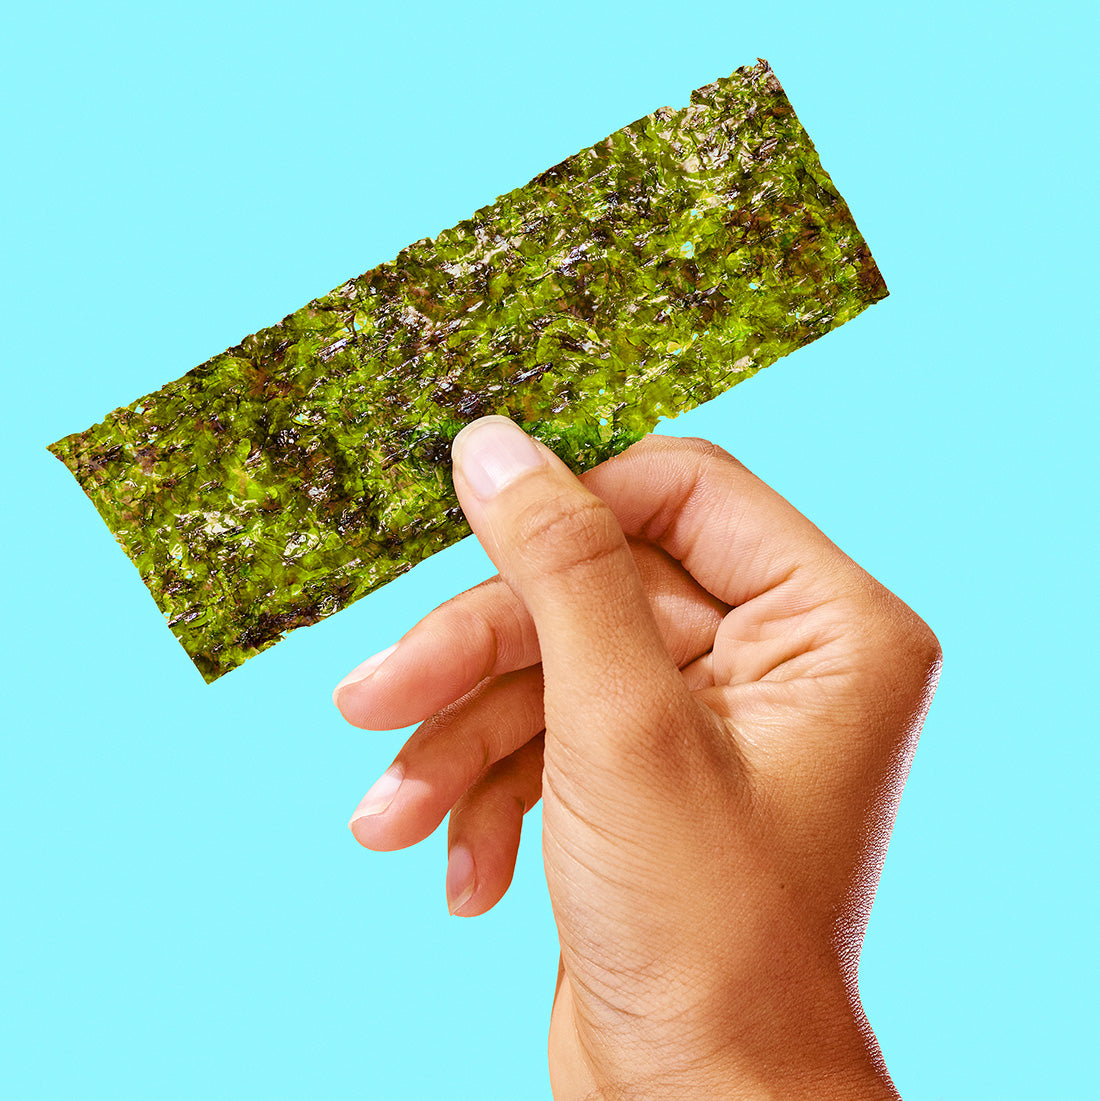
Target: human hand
[(728, 723)]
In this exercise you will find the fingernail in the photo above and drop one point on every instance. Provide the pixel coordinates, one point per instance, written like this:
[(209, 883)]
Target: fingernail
[(492, 452), (361, 672), (380, 795), (460, 878)]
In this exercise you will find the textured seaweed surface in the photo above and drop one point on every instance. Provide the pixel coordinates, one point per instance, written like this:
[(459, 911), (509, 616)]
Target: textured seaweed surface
[(307, 466)]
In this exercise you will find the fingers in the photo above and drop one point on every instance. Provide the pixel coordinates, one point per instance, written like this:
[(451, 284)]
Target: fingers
[(562, 551), (484, 831), (479, 633), (448, 755), (487, 631), (442, 768), (733, 533), (736, 537)]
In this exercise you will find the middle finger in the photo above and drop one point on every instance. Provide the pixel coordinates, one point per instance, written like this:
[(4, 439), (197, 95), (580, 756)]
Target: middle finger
[(487, 631), (447, 754)]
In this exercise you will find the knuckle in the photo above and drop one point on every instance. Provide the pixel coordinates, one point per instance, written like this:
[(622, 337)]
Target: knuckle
[(492, 800), (698, 446), (907, 647), (913, 637), (494, 623), (682, 445), (560, 535), (499, 800), (707, 452), (926, 643), (485, 635)]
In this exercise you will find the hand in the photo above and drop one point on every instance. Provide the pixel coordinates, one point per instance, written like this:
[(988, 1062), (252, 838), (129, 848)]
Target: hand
[(720, 730)]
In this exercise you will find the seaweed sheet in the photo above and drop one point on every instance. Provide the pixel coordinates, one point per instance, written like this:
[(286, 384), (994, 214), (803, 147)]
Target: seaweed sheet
[(285, 478)]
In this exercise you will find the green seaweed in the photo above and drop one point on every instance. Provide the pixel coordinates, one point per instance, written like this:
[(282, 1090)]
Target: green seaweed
[(290, 475)]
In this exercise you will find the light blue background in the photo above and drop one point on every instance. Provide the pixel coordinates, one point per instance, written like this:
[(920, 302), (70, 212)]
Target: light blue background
[(186, 914)]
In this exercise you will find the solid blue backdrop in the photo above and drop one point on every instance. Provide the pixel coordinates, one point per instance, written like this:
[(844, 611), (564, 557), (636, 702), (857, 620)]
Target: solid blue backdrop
[(186, 913)]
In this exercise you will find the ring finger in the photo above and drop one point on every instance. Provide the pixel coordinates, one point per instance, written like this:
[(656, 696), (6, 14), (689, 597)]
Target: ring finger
[(483, 835)]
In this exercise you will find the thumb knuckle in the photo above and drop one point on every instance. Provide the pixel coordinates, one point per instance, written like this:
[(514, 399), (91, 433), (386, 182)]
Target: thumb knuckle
[(565, 535)]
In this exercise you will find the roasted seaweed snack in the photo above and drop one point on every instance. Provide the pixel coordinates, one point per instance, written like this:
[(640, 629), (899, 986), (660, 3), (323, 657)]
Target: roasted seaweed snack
[(308, 465)]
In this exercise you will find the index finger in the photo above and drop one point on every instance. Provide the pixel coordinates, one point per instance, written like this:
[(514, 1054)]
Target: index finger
[(487, 631), (732, 532)]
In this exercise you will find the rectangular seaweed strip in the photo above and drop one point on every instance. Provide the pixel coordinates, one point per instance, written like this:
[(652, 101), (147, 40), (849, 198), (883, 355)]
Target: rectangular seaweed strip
[(300, 470)]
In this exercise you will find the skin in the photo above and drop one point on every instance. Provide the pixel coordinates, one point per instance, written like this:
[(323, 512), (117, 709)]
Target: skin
[(718, 708)]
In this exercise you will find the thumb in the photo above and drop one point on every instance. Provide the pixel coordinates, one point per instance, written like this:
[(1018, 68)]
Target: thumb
[(562, 551)]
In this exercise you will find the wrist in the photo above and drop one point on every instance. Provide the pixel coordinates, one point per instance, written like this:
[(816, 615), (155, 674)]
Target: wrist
[(838, 1062), (586, 1080)]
